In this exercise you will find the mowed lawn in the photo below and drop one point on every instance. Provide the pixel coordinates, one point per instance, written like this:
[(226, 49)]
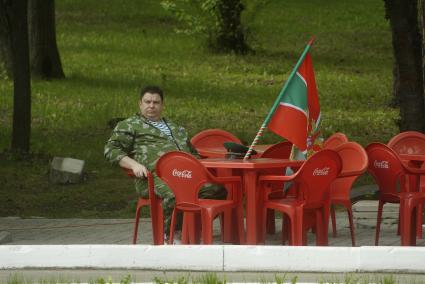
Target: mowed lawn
[(109, 49)]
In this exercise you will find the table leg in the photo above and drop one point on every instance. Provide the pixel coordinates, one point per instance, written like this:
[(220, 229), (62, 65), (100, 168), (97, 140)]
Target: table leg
[(407, 223), (253, 220), (414, 183), (228, 236)]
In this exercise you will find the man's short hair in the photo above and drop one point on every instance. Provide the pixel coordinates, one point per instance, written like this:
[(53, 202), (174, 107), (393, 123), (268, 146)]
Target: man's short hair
[(153, 90)]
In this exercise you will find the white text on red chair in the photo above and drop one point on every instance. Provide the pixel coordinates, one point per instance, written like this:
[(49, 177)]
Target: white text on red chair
[(182, 173), (321, 172), (381, 164)]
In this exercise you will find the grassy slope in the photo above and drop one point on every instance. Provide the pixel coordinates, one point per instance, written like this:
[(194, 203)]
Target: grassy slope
[(110, 48)]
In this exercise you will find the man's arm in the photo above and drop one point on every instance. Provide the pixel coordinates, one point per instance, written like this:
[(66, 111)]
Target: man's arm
[(138, 169), (119, 146)]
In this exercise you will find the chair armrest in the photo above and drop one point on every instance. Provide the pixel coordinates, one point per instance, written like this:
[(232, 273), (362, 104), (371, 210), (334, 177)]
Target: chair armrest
[(351, 173), (412, 170), (228, 179), (129, 172), (276, 178), (151, 187)]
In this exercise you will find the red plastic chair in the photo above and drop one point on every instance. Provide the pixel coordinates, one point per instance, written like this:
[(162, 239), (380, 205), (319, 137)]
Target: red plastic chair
[(157, 218), (335, 140), (213, 138), (280, 150), (312, 183), (185, 176), (354, 163), (411, 142), (390, 175)]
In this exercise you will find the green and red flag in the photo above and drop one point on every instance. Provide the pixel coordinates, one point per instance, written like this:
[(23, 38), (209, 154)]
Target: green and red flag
[(299, 110), (295, 114)]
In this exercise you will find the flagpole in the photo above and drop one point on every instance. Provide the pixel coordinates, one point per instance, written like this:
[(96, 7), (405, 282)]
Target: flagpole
[(278, 99)]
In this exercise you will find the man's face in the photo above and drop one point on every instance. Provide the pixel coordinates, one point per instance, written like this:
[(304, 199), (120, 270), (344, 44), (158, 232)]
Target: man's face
[(151, 106)]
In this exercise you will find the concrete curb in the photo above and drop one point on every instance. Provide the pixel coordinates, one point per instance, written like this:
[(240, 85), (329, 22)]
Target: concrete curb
[(215, 258)]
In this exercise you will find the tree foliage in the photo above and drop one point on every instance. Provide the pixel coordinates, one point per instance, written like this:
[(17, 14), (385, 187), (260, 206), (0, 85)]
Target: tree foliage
[(220, 21)]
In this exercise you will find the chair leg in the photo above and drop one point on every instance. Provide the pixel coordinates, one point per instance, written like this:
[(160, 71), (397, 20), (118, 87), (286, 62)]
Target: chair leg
[(136, 224), (270, 221), (207, 220), (420, 208), (198, 228), (298, 227), (240, 223), (172, 226), (333, 218), (189, 228), (286, 230), (158, 225), (185, 232), (378, 221), (320, 232), (350, 219)]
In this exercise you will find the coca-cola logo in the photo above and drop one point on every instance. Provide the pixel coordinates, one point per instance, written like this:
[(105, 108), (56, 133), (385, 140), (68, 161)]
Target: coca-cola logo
[(321, 172), (182, 173), (381, 164)]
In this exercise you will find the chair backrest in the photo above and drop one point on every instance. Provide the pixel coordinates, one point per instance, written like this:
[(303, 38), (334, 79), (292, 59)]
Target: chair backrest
[(354, 157), (213, 138), (385, 167), (183, 174), (280, 150), (354, 162), (335, 140), (316, 174), (409, 142)]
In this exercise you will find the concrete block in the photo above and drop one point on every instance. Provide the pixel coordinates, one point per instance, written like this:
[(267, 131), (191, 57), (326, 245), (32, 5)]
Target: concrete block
[(190, 258), (5, 237), (66, 170), (372, 206), (287, 258), (374, 215), (392, 259)]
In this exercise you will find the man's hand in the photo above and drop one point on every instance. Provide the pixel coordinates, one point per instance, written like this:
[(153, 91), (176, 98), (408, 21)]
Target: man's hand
[(139, 170)]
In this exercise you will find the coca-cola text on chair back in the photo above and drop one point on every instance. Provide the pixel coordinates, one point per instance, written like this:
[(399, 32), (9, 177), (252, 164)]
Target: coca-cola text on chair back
[(385, 167), (317, 174), (180, 170)]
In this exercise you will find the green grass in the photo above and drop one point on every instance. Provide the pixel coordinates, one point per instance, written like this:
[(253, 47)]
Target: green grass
[(222, 278), (111, 48)]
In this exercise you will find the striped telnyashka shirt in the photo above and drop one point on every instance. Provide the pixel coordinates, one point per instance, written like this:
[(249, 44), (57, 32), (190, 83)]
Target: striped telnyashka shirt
[(161, 125)]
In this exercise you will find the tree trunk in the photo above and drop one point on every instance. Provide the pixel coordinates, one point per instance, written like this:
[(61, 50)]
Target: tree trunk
[(21, 74), (5, 41), (422, 9), (406, 39), (45, 59), (231, 36)]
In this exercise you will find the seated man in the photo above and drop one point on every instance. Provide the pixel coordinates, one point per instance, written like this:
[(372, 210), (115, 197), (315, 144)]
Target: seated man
[(137, 142)]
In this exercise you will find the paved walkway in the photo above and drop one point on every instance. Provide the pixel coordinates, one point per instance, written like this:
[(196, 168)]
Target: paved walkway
[(35, 231)]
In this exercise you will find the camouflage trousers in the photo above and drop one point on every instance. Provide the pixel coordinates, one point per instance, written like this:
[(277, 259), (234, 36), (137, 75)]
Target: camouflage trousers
[(209, 191)]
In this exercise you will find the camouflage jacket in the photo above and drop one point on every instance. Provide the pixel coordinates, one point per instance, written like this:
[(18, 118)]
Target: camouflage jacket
[(137, 138)]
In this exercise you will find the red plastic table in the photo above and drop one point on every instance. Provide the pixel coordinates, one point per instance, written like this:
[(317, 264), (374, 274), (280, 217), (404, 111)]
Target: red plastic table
[(249, 170), (220, 152), (413, 163)]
